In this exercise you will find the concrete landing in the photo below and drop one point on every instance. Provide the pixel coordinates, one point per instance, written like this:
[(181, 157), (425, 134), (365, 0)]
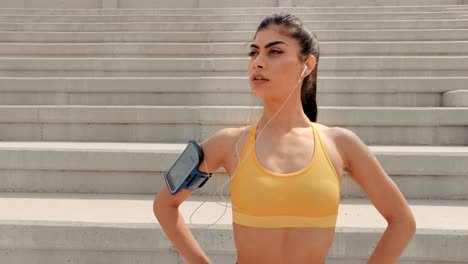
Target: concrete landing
[(76, 226)]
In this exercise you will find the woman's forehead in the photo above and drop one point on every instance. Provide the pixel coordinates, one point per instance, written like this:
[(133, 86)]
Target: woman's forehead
[(267, 36)]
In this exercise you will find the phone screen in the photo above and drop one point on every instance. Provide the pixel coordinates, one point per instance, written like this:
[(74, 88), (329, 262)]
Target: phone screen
[(182, 167)]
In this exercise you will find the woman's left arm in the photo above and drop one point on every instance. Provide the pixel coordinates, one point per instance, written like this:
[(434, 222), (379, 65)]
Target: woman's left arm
[(366, 171)]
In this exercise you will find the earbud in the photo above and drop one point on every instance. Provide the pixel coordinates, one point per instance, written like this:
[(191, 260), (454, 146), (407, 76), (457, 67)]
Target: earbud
[(303, 71)]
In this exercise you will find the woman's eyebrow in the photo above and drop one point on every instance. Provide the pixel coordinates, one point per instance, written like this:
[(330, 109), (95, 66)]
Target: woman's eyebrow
[(270, 44)]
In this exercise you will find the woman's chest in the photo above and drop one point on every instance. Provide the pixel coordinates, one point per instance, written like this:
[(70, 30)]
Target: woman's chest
[(284, 160)]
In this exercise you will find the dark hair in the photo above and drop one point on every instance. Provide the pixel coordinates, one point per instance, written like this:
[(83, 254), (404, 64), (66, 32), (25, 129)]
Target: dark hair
[(293, 27)]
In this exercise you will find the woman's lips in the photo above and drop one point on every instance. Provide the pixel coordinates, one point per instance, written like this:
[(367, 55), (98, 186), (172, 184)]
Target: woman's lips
[(259, 81)]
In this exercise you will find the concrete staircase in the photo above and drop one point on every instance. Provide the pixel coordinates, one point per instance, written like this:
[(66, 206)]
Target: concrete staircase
[(97, 102)]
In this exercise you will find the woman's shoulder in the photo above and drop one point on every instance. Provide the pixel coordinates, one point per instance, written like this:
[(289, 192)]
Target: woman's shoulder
[(334, 133), (224, 141), (229, 135), (328, 131), (223, 145), (334, 140), (340, 140)]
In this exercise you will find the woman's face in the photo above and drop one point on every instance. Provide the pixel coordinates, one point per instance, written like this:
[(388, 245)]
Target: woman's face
[(275, 57)]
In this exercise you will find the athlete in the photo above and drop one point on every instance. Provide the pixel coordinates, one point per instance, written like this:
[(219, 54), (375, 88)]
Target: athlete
[(286, 182)]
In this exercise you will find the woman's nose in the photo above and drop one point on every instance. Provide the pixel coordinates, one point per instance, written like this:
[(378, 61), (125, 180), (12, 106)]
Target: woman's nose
[(257, 63), (256, 67)]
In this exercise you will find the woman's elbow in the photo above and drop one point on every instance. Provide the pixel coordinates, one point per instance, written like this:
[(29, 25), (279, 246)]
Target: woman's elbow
[(408, 222), (158, 205)]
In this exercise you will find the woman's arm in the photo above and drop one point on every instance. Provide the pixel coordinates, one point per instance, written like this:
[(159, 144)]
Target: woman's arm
[(175, 227), (367, 172), (166, 205)]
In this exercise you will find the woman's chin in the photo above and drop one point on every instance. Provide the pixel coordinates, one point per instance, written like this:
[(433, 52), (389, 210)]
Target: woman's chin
[(258, 94)]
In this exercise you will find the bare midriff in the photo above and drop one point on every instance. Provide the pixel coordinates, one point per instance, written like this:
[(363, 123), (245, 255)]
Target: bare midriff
[(282, 245)]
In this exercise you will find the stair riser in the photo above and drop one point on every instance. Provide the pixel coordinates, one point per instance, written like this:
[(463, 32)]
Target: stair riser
[(456, 98), (180, 50), (230, 26), (91, 172), (227, 85), (403, 6), (128, 73), (58, 256), (170, 67), (167, 133), (95, 241), (227, 18), (97, 4), (215, 99), (449, 187), (238, 36)]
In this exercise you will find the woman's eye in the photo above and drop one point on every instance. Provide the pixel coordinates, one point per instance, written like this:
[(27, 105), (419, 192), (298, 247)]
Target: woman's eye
[(272, 51)]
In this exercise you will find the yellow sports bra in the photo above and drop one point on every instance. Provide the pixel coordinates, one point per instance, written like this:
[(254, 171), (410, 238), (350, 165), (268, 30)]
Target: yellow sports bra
[(305, 198)]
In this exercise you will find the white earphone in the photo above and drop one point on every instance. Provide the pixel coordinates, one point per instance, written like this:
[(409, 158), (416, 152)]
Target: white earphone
[(305, 68)]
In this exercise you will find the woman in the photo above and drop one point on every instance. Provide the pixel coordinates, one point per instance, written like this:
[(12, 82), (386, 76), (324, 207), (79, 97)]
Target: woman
[(286, 187)]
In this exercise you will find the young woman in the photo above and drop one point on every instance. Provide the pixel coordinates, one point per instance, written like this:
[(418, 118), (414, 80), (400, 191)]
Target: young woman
[(285, 186)]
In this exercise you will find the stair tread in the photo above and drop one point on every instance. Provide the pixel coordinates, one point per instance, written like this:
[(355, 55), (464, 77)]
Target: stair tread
[(431, 215), (170, 147)]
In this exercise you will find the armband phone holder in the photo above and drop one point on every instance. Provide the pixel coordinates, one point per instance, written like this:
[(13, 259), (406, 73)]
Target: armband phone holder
[(184, 172)]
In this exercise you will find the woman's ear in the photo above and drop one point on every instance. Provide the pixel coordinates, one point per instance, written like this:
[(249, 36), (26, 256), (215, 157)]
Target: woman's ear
[(311, 62)]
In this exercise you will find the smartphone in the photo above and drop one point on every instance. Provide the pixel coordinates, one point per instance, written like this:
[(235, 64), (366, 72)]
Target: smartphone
[(184, 172)]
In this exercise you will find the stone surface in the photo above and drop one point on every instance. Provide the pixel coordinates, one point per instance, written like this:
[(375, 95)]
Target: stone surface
[(98, 100), (97, 227)]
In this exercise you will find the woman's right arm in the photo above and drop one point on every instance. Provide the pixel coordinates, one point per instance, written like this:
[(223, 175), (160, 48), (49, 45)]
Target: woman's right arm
[(175, 227), (166, 205)]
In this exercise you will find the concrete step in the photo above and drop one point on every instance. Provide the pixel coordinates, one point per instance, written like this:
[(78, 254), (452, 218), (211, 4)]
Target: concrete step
[(96, 228), (217, 49), (362, 66), (228, 17), (173, 124), (457, 98), (375, 2), (234, 26), (436, 172), (332, 91), (93, 4), (315, 8), (232, 36)]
